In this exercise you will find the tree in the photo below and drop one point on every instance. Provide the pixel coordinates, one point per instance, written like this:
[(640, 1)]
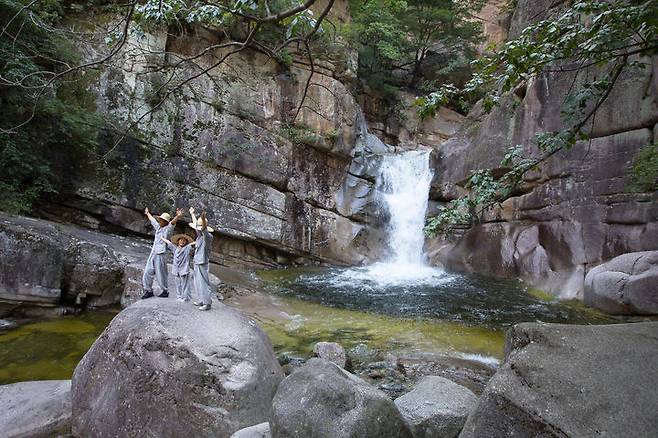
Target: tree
[(39, 156), (611, 36), (400, 35), (48, 126)]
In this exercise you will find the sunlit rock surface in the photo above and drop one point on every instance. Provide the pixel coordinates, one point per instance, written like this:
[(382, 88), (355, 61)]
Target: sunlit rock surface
[(627, 284), (321, 400), (35, 409), (567, 380), (163, 368), (578, 210), (44, 262), (436, 407)]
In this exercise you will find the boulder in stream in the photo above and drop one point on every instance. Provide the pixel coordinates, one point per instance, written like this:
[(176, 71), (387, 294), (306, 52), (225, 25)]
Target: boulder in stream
[(163, 368), (436, 407), (571, 380), (627, 284), (331, 351), (322, 400), (35, 409)]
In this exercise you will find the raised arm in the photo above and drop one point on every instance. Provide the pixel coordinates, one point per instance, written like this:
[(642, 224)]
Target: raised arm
[(193, 219), (179, 213), (193, 216), (148, 214), (204, 221), (167, 241)]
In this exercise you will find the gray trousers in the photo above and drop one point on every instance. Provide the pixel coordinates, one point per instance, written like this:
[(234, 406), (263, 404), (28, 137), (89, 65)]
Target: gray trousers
[(156, 268), (183, 287), (202, 283)]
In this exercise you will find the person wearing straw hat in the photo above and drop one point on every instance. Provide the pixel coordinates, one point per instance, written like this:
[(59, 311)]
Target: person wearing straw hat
[(156, 265), (202, 260), (181, 266)]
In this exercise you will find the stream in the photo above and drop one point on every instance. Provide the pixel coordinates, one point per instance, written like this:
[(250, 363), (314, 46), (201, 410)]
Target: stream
[(398, 305)]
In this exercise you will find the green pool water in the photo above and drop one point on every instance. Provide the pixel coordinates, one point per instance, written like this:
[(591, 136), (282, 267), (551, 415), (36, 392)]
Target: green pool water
[(449, 314), (454, 315), (49, 349)]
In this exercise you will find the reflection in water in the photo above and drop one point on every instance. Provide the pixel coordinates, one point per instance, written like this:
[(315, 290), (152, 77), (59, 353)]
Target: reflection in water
[(454, 314), (49, 349)]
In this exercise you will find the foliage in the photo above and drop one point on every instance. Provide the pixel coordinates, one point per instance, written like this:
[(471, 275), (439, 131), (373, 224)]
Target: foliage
[(400, 34), (644, 174), (42, 155), (611, 37)]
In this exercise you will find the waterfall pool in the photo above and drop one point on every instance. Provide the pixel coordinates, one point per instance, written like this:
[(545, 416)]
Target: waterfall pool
[(49, 349), (450, 314)]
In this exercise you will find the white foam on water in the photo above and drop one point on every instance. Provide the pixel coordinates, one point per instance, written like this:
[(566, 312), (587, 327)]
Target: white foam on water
[(403, 186), (487, 360)]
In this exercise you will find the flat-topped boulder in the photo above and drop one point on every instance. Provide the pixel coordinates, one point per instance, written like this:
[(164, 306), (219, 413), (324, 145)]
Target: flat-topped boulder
[(322, 400), (42, 261), (627, 284), (436, 407), (35, 409), (571, 380), (164, 368)]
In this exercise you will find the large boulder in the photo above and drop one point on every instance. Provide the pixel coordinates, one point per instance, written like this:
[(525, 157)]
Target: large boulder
[(323, 400), (35, 409), (436, 407), (163, 368), (43, 262), (570, 380), (627, 284)]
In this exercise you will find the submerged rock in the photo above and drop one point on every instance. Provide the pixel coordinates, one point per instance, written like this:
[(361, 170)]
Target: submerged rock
[(331, 351), (323, 400), (436, 407), (261, 430), (163, 368), (627, 284), (569, 380), (35, 409)]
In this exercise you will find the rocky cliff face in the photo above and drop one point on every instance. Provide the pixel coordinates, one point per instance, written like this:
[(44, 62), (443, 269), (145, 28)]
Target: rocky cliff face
[(278, 188), (579, 210)]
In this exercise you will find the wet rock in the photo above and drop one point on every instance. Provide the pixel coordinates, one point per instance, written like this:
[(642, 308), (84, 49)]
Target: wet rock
[(261, 430), (569, 380), (470, 374), (323, 400), (436, 407), (627, 284), (35, 409), (46, 262), (331, 351), (162, 368)]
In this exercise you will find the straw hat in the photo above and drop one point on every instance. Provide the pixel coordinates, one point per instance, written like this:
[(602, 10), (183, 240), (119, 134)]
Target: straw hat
[(176, 237), (199, 225), (165, 217)]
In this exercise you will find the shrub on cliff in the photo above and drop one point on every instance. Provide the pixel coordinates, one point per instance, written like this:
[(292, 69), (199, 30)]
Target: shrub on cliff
[(47, 128)]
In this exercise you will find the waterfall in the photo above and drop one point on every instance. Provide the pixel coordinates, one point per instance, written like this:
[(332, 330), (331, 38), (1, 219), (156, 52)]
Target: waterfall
[(403, 186), (402, 190)]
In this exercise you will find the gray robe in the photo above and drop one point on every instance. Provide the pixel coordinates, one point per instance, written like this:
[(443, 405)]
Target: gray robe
[(156, 265), (181, 270), (202, 266)]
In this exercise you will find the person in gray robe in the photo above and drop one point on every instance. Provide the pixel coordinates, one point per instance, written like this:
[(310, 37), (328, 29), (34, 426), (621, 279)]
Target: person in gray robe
[(181, 265), (156, 264), (203, 243)]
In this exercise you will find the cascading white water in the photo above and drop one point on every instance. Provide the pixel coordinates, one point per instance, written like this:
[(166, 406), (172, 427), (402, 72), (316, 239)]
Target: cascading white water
[(403, 184)]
